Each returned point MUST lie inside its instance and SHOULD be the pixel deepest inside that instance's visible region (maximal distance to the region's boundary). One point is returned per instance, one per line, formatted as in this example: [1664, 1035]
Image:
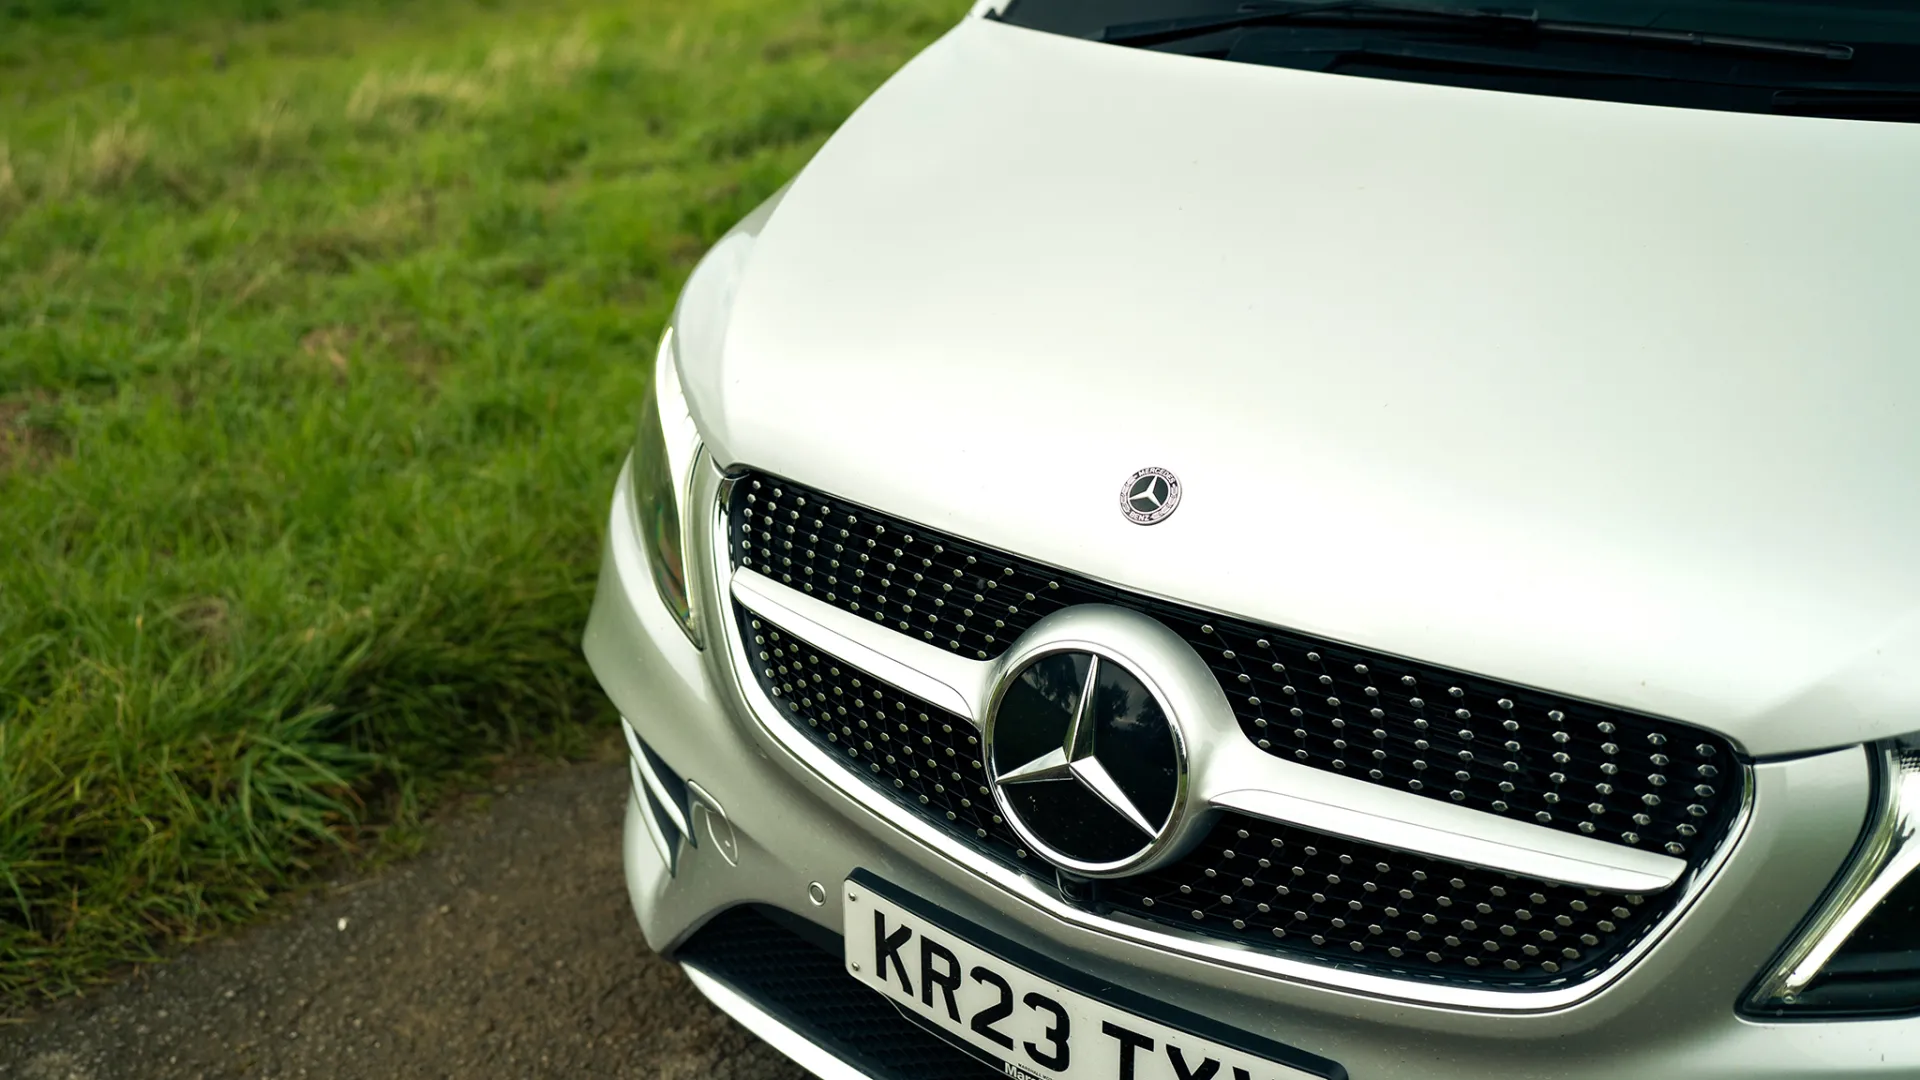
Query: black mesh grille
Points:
[1567, 765]
[1301, 891]
[923, 756]
[800, 981]
[1328, 898]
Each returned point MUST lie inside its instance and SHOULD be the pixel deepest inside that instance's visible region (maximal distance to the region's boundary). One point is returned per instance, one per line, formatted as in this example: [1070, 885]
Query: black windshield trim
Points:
[1527, 21]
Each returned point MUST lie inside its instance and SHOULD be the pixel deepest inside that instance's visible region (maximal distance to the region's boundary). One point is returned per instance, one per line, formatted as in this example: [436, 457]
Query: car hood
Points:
[1617, 401]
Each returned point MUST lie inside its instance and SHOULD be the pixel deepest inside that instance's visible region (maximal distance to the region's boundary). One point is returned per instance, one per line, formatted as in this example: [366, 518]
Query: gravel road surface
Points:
[506, 950]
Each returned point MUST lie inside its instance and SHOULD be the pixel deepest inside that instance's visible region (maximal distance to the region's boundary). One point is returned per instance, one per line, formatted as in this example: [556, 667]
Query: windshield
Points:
[1856, 59]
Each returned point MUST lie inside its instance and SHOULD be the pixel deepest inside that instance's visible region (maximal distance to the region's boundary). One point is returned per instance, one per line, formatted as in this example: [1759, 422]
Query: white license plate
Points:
[1030, 1024]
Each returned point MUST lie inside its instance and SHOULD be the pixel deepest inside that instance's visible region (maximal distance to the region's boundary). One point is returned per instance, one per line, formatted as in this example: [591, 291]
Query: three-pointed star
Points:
[1074, 760]
[1149, 497]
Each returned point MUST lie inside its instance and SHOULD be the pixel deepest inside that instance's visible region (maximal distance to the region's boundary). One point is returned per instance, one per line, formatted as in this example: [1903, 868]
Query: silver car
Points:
[1212, 541]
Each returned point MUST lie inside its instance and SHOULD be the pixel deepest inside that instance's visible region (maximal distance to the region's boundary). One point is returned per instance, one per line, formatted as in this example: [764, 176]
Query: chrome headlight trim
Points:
[665, 450]
[1888, 853]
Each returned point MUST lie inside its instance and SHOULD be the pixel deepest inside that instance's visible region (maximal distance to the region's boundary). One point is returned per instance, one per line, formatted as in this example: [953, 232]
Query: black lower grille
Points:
[782, 969]
[1617, 776]
[1279, 888]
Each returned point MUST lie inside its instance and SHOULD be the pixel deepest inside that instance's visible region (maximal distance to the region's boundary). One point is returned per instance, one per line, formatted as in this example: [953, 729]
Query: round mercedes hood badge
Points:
[1085, 762]
[1149, 495]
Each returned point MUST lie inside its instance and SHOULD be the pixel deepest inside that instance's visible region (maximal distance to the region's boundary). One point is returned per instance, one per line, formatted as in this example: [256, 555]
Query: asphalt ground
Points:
[506, 949]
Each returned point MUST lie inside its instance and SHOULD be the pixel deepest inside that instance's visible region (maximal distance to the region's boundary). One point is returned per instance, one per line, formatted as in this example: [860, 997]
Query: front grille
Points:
[921, 755]
[1330, 898]
[1622, 777]
[764, 958]
[1279, 888]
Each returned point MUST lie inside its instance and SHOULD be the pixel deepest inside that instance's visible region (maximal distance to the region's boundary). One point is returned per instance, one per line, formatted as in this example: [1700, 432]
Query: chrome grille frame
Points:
[714, 490]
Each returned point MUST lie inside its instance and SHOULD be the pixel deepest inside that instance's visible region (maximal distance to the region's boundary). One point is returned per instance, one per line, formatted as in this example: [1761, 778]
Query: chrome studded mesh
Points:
[1295, 890]
[1617, 776]
[1279, 888]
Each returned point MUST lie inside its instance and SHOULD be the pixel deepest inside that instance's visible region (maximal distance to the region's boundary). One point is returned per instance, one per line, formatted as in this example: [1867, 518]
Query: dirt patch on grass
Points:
[548, 63]
[329, 345]
[116, 154]
[337, 349]
[420, 97]
[382, 231]
[414, 98]
[209, 617]
[9, 183]
[28, 438]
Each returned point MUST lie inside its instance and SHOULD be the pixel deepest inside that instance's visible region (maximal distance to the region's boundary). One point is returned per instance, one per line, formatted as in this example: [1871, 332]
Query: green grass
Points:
[321, 330]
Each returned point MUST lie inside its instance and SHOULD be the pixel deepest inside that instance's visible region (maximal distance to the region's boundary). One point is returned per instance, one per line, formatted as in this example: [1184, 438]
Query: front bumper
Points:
[790, 835]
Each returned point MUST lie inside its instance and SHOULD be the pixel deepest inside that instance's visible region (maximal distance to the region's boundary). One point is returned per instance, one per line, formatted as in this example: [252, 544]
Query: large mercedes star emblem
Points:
[1086, 765]
[1149, 495]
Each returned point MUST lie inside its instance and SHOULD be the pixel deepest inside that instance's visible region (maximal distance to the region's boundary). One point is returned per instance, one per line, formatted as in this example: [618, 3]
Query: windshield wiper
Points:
[1386, 15]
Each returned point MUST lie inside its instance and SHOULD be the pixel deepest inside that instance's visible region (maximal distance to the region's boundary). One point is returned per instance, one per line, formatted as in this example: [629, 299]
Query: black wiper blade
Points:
[1265, 12]
[1694, 39]
[1491, 20]
[1322, 49]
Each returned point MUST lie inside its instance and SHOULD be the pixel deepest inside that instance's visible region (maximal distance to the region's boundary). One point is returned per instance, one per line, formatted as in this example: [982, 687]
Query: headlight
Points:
[664, 452]
[1860, 953]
